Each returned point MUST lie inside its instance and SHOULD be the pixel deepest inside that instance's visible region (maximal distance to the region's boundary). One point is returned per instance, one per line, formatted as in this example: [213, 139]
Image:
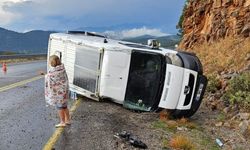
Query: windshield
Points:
[145, 80]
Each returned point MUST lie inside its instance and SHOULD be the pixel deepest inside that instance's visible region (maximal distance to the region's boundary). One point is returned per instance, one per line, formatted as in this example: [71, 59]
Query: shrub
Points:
[213, 83]
[181, 142]
[238, 91]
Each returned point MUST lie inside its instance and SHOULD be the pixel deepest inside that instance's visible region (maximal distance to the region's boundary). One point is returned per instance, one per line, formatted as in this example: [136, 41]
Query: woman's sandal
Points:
[60, 125]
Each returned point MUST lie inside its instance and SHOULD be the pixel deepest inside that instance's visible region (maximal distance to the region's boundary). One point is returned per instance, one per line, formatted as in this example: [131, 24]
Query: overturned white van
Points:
[140, 77]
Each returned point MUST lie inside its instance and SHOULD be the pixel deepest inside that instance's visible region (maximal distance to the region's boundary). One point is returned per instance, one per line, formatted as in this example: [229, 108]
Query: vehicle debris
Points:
[132, 139]
[218, 141]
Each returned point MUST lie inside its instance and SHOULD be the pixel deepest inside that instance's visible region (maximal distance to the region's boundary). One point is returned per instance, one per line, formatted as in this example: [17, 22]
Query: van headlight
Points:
[175, 60]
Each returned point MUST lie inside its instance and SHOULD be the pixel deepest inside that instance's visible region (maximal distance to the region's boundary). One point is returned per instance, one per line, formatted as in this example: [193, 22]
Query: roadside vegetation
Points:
[238, 92]
[226, 105]
[7, 53]
[183, 134]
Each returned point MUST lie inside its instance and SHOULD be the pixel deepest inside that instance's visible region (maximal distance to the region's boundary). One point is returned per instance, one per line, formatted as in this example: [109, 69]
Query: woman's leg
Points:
[61, 115]
[67, 116]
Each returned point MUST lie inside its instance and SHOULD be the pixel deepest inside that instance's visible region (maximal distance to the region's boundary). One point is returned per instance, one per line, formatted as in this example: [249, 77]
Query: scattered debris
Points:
[182, 129]
[244, 116]
[133, 140]
[218, 141]
[244, 126]
[40, 72]
[219, 124]
[226, 109]
[124, 134]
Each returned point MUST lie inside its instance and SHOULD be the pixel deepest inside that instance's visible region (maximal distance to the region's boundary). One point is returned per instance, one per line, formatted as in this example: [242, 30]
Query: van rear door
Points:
[178, 88]
[172, 87]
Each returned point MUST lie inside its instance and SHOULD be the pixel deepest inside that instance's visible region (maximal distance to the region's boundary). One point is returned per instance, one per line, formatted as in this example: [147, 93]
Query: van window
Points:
[86, 67]
[59, 54]
[145, 76]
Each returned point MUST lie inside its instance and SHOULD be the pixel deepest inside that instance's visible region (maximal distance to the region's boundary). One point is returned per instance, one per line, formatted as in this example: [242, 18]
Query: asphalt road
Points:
[25, 121]
[22, 71]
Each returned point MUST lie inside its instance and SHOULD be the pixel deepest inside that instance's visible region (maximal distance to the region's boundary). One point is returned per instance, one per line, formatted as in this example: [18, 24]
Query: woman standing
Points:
[56, 89]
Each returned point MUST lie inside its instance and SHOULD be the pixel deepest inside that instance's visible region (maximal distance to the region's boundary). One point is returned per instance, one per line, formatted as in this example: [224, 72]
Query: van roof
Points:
[98, 41]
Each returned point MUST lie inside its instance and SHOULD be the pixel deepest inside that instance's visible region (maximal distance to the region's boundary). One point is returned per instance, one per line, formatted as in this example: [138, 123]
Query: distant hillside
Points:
[166, 41]
[30, 42]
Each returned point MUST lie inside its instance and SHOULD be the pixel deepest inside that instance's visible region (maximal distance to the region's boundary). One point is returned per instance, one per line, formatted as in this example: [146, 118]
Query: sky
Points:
[149, 16]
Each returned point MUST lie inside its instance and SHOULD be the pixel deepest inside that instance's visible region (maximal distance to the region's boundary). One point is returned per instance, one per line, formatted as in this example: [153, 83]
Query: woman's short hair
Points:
[54, 60]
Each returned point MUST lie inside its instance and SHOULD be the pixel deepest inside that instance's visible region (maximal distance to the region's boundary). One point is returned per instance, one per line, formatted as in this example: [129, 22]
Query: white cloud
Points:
[130, 33]
[142, 31]
[6, 16]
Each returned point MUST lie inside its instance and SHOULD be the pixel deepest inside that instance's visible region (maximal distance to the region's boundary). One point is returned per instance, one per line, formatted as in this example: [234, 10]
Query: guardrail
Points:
[5, 57]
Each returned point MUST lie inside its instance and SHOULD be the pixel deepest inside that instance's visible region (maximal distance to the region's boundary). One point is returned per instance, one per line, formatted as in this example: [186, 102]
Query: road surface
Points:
[22, 71]
[25, 122]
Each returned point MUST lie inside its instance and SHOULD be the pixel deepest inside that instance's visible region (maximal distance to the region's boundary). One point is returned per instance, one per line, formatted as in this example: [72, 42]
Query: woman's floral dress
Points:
[56, 85]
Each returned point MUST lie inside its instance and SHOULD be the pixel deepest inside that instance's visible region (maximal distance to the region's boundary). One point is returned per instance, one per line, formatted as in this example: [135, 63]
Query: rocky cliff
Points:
[210, 20]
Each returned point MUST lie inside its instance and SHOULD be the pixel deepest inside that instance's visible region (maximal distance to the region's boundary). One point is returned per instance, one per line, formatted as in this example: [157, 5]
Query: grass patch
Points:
[203, 141]
[181, 142]
[171, 125]
[164, 126]
[183, 139]
[159, 124]
[221, 117]
[186, 123]
[165, 144]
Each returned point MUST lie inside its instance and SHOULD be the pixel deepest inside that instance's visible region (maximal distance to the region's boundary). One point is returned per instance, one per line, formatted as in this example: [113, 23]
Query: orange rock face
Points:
[210, 20]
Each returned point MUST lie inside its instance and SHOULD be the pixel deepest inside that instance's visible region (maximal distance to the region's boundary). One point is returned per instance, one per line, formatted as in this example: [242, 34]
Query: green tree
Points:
[179, 25]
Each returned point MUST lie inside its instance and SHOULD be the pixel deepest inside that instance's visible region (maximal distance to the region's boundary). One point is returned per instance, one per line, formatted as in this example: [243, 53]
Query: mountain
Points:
[166, 41]
[35, 41]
